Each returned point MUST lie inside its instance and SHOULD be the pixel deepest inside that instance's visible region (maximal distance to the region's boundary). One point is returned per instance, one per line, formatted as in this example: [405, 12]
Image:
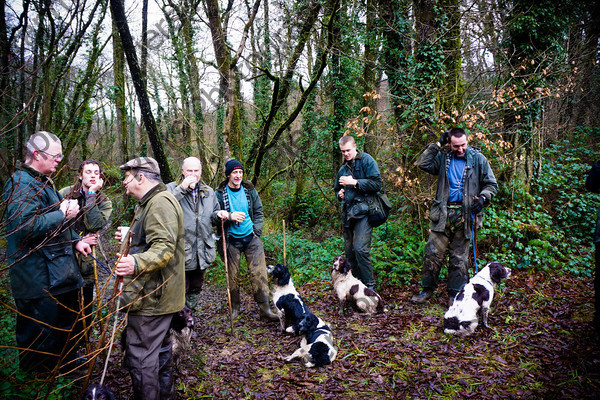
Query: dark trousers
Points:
[597, 289]
[34, 337]
[148, 356]
[452, 239]
[357, 248]
[194, 279]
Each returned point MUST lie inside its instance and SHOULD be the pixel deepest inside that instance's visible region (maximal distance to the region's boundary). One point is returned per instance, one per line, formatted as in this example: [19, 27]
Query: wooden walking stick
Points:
[119, 287]
[284, 242]
[227, 274]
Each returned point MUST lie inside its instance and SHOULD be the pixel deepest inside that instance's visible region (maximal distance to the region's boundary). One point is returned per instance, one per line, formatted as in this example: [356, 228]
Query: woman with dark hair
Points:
[95, 210]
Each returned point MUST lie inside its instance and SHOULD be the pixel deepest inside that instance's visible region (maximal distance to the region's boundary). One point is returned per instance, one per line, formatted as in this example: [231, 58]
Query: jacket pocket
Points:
[63, 271]
[435, 211]
[210, 250]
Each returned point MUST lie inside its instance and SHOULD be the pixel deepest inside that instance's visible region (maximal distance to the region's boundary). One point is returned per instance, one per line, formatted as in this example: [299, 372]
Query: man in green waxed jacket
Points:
[358, 179]
[465, 185]
[44, 275]
[200, 208]
[154, 279]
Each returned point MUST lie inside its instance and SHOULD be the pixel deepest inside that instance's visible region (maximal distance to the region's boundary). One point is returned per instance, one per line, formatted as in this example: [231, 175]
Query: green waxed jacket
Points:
[40, 243]
[95, 210]
[157, 286]
[479, 180]
[199, 218]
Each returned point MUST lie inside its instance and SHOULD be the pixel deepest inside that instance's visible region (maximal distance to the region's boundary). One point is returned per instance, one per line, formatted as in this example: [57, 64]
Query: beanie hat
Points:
[231, 165]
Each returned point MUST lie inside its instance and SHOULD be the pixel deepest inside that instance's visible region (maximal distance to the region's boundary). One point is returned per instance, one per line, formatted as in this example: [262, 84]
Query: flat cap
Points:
[147, 164]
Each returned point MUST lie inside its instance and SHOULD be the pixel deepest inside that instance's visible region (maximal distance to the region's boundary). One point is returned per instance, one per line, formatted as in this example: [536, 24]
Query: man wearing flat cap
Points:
[154, 279]
[243, 215]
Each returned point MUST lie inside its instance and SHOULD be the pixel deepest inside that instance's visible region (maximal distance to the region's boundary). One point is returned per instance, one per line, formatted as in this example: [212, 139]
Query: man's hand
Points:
[83, 248]
[347, 180]
[444, 139]
[70, 208]
[477, 204]
[97, 186]
[125, 266]
[341, 194]
[91, 239]
[238, 216]
[189, 182]
[222, 214]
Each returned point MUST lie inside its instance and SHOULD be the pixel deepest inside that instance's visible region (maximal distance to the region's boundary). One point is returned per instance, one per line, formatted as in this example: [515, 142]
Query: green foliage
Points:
[551, 226]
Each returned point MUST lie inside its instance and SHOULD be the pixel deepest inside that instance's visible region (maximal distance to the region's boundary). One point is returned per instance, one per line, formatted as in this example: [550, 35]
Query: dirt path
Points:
[540, 346]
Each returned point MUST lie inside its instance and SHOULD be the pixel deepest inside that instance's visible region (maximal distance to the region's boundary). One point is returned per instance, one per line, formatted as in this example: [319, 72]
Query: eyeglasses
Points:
[57, 156]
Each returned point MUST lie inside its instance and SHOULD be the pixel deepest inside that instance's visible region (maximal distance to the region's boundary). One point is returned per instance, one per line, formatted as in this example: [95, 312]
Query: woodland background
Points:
[276, 83]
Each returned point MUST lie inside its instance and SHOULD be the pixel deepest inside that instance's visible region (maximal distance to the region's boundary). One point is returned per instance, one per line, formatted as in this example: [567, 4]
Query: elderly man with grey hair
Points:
[44, 275]
[200, 212]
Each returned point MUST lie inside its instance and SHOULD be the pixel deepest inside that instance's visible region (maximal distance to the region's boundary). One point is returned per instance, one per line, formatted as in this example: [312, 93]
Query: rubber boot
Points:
[235, 303]
[264, 309]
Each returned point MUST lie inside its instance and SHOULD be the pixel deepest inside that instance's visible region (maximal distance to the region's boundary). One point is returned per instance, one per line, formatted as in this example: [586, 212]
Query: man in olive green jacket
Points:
[154, 279]
[465, 185]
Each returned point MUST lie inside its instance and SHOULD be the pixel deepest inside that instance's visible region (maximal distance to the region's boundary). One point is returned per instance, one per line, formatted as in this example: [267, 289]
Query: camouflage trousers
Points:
[454, 241]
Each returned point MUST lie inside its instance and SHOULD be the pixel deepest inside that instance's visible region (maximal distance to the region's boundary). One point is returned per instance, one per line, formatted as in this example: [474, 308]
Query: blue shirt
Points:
[239, 202]
[455, 178]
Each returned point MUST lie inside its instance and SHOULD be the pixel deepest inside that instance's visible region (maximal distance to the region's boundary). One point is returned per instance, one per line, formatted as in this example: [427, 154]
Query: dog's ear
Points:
[347, 266]
[497, 272]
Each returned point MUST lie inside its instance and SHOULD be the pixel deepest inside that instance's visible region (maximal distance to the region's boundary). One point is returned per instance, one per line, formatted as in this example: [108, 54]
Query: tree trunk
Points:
[146, 111]
[119, 92]
[451, 95]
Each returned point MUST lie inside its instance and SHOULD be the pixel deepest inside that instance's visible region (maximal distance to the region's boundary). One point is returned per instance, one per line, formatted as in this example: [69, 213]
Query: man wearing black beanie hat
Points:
[243, 227]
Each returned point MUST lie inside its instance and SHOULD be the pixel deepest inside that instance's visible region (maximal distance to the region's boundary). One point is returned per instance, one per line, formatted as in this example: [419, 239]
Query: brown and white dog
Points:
[473, 300]
[182, 326]
[351, 291]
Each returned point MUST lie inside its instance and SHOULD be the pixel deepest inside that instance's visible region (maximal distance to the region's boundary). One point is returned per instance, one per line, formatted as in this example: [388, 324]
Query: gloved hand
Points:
[477, 204]
[445, 138]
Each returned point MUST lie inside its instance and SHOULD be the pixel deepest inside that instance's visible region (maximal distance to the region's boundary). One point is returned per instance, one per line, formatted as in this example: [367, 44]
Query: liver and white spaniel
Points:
[352, 292]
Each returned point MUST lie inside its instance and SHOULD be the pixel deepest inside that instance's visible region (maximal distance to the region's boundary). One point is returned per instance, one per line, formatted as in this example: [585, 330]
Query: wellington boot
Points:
[266, 313]
[235, 304]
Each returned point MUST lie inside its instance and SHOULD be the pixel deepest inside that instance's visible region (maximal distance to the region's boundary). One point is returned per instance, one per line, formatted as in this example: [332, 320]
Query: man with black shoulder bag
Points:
[358, 182]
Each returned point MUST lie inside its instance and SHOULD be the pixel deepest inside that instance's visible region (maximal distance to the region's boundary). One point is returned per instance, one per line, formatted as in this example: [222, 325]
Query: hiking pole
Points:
[118, 294]
[284, 242]
[227, 275]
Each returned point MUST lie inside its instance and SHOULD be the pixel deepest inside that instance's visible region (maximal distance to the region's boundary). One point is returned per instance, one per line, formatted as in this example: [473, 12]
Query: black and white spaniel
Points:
[287, 300]
[316, 348]
[473, 300]
[351, 291]
[97, 392]
[182, 326]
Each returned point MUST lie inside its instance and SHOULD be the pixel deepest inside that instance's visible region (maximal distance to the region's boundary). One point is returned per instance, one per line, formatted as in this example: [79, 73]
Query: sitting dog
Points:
[182, 325]
[289, 304]
[474, 299]
[97, 392]
[316, 348]
[351, 291]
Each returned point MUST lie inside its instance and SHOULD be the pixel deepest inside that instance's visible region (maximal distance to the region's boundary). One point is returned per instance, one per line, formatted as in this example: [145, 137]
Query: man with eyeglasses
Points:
[44, 274]
[357, 179]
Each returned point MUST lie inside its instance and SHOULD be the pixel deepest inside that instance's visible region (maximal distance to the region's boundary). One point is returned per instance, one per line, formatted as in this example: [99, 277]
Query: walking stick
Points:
[227, 275]
[284, 242]
[118, 282]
